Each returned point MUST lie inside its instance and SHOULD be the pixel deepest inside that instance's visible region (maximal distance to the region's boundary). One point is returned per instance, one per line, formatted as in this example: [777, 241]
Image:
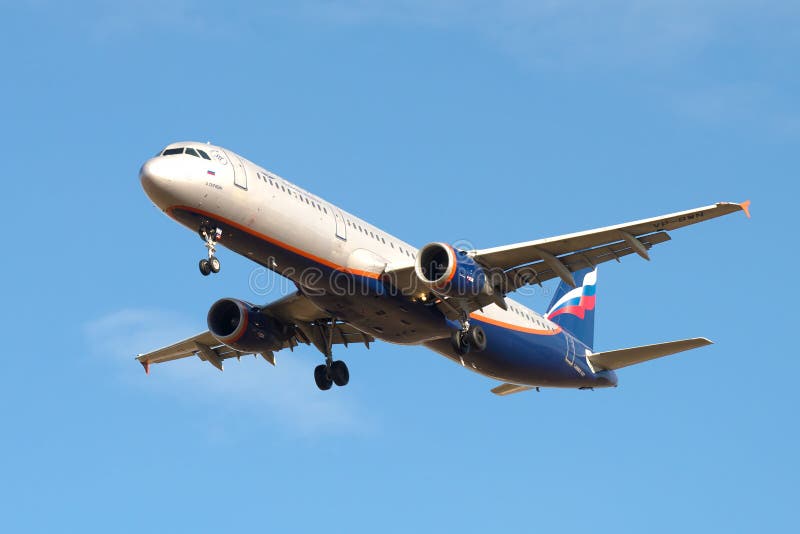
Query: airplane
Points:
[357, 284]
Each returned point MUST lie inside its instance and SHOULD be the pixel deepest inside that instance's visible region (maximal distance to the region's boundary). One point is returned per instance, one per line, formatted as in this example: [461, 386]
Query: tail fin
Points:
[573, 308]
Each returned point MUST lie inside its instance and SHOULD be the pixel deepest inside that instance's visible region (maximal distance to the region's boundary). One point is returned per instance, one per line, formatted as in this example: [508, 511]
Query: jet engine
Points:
[449, 272]
[244, 327]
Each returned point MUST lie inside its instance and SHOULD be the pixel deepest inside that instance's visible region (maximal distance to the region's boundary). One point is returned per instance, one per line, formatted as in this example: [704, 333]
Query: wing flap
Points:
[318, 334]
[617, 359]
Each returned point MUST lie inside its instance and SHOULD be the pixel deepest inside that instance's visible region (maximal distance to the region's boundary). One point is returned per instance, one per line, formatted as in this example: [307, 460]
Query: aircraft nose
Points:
[152, 173]
[157, 181]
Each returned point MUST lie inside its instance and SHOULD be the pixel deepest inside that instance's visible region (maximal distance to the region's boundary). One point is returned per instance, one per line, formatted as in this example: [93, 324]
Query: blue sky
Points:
[492, 122]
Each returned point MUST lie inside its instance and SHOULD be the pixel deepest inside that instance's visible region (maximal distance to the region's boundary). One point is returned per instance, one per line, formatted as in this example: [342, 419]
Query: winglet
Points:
[746, 208]
[146, 365]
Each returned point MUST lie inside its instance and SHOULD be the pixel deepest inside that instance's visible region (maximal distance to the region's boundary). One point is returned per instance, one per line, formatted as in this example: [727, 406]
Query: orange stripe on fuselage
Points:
[337, 267]
[274, 241]
[518, 328]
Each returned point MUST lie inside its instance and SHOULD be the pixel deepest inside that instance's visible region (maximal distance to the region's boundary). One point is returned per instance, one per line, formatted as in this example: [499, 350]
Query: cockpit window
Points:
[172, 151]
[203, 154]
[192, 152]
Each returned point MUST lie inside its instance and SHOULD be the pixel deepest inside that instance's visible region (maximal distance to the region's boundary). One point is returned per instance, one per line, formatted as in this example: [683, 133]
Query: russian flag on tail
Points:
[573, 308]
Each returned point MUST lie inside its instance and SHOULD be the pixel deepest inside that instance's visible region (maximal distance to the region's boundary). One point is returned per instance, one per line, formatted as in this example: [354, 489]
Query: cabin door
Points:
[341, 226]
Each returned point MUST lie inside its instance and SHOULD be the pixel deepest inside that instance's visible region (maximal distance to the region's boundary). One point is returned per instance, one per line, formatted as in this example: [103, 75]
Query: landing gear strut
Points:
[211, 235]
[468, 338]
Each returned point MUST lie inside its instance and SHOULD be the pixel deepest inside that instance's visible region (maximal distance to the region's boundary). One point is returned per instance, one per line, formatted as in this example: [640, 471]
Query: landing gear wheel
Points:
[210, 235]
[340, 373]
[460, 342]
[477, 338]
[324, 382]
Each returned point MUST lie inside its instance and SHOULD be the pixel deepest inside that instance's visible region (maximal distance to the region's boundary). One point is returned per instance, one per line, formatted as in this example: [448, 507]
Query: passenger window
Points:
[203, 154]
[192, 152]
[172, 151]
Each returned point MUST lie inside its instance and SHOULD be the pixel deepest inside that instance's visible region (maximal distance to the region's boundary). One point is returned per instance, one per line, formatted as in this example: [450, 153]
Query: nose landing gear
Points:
[211, 265]
[211, 236]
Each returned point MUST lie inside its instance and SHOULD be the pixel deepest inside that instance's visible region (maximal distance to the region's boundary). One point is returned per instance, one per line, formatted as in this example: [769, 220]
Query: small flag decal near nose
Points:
[212, 173]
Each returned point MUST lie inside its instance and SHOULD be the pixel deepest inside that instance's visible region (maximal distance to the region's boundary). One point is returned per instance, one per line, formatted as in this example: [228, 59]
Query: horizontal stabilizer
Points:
[508, 389]
[616, 359]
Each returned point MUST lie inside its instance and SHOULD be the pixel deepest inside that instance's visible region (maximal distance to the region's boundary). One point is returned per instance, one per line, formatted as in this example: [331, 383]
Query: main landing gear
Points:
[332, 371]
[329, 373]
[211, 236]
[468, 338]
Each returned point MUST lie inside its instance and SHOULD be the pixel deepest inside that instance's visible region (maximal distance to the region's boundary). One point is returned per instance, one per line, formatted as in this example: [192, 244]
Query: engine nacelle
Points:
[242, 326]
[449, 272]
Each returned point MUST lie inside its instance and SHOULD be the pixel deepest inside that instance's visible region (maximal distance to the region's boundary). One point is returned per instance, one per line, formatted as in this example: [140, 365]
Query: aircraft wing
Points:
[510, 267]
[536, 261]
[310, 325]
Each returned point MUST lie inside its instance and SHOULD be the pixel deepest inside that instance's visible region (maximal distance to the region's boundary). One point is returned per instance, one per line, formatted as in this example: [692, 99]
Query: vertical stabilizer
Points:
[573, 308]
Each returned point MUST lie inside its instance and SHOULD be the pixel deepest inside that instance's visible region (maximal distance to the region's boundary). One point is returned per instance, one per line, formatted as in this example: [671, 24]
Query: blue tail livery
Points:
[573, 308]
